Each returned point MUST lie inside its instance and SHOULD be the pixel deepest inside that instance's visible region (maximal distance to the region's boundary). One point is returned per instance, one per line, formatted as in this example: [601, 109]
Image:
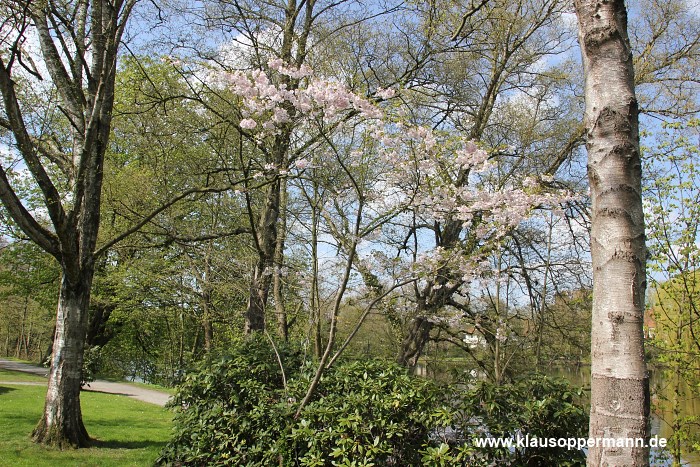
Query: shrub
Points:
[237, 410]
[537, 406]
[367, 413]
[232, 410]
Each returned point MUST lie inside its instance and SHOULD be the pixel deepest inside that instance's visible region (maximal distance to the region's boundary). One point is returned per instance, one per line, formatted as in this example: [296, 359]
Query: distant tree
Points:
[468, 89]
[672, 197]
[28, 285]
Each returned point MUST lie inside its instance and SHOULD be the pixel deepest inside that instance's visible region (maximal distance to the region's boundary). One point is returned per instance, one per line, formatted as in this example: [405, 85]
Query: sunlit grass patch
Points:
[126, 432]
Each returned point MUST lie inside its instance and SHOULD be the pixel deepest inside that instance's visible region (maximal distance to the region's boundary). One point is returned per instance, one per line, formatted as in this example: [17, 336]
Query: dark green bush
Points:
[537, 406]
[236, 410]
[368, 413]
[232, 410]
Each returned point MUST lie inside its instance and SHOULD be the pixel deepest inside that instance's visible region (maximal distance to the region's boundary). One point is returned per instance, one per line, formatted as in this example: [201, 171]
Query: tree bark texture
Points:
[619, 379]
[278, 286]
[61, 424]
[413, 343]
[263, 272]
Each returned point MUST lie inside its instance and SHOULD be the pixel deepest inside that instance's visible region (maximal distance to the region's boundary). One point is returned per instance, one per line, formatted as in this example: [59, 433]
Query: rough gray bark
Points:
[277, 286]
[266, 243]
[62, 424]
[417, 336]
[619, 380]
[78, 42]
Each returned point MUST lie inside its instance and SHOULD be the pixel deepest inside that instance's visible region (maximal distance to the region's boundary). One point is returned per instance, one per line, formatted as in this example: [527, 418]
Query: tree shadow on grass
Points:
[122, 444]
[5, 389]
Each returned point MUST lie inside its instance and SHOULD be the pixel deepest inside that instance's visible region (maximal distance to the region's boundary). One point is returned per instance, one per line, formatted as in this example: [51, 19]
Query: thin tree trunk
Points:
[282, 323]
[315, 301]
[543, 300]
[208, 330]
[619, 378]
[28, 341]
[62, 424]
[207, 306]
[262, 275]
[20, 340]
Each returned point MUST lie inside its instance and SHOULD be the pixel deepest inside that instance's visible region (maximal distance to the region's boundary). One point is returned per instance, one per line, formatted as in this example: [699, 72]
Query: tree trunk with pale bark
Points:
[61, 424]
[78, 43]
[619, 379]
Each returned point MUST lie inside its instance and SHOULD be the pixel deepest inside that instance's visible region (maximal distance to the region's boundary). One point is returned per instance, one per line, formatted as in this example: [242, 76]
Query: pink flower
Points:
[280, 116]
[276, 64]
[248, 124]
[385, 93]
[301, 164]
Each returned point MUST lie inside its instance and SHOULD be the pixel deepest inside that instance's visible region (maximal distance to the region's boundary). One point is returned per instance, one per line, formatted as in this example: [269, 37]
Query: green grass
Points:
[126, 432]
[9, 375]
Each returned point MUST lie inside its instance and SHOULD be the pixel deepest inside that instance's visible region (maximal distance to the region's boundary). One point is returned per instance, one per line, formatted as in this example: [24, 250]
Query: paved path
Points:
[135, 392]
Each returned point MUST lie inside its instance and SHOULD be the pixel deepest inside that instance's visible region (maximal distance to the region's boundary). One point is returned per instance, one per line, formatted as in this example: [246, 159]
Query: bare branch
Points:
[38, 234]
[26, 147]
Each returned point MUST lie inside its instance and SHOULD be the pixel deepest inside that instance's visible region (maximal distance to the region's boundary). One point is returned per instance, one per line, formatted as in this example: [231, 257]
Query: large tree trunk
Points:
[62, 424]
[619, 379]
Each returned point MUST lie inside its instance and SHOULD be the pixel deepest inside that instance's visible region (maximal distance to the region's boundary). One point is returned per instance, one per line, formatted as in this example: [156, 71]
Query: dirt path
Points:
[135, 392]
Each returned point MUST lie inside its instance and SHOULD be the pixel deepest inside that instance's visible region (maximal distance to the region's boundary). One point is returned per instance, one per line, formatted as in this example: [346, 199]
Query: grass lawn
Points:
[126, 432]
[9, 375]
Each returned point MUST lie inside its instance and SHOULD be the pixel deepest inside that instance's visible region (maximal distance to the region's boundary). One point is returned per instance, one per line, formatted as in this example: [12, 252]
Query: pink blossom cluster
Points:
[279, 66]
[467, 265]
[267, 104]
[431, 165]
[443, 177]
[385, 93]
[436, 175]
